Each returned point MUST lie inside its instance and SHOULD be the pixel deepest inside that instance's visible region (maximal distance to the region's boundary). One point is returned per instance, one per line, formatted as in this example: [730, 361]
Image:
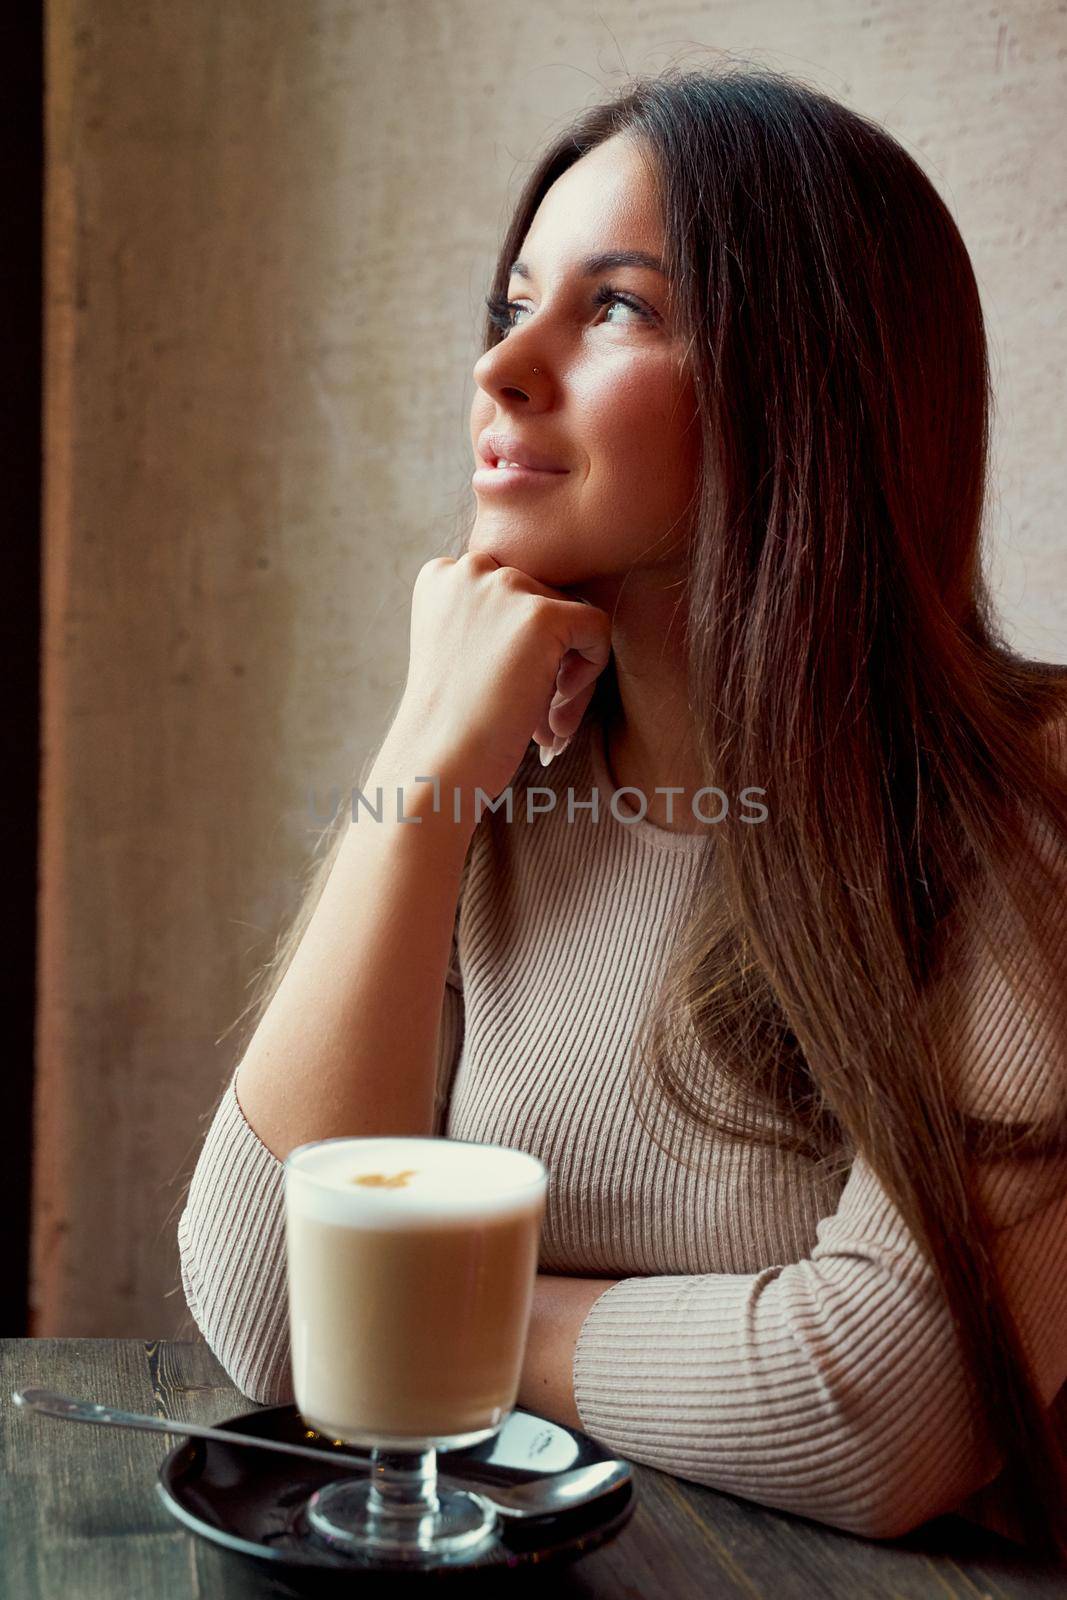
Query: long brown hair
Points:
[843, 646]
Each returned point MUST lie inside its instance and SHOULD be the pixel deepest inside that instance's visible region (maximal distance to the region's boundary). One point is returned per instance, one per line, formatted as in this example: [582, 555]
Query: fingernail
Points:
[549, 753]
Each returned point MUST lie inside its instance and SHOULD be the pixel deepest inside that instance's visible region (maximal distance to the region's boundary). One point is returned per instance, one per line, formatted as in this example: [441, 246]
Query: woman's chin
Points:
[545, 554]
[514, 550]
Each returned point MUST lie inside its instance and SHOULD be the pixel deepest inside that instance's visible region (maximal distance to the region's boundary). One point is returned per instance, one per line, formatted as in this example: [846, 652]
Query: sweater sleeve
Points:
[832, 1387]
[231, 1234]
[829, 1387]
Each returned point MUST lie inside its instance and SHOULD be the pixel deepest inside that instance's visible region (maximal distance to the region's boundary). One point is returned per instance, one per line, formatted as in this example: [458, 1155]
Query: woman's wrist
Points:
[413, 785]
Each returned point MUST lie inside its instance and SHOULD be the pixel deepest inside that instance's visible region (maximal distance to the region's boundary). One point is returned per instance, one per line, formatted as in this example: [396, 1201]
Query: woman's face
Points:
[611, 400]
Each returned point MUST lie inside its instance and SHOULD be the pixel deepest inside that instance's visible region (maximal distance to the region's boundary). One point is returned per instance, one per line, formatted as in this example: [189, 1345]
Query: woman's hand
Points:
[496, 658]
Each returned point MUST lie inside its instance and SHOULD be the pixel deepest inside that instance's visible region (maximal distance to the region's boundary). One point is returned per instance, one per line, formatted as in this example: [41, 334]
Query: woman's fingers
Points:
[565, 718]
[574, 673]
[580, 666]
[584, 634]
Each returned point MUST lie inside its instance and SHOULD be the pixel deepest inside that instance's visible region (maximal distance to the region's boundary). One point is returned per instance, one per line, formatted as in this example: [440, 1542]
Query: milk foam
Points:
[428, 1181]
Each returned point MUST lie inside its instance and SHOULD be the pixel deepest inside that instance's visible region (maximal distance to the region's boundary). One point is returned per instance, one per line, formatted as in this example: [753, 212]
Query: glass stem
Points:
[403, 1483]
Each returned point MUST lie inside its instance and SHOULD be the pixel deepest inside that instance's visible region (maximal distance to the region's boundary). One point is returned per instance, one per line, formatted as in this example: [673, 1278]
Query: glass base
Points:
[343, 1515]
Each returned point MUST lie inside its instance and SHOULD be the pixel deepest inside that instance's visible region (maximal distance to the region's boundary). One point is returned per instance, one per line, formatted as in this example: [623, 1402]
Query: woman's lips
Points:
[492, 479]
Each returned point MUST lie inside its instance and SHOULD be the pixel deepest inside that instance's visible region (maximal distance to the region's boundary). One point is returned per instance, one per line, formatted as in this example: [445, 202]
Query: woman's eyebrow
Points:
[604, 261]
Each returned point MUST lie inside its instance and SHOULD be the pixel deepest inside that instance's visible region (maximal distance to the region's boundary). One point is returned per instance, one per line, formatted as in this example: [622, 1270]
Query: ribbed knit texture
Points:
[776, 1332]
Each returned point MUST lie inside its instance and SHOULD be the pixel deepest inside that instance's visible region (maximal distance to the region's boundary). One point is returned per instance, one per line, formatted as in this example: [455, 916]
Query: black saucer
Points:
[252, 1501]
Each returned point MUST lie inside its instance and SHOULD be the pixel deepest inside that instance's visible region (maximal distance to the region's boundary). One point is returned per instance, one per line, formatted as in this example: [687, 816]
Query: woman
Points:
[798, 1075]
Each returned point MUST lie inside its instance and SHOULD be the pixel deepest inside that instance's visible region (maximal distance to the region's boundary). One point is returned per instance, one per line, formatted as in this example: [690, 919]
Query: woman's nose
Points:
[509, 374]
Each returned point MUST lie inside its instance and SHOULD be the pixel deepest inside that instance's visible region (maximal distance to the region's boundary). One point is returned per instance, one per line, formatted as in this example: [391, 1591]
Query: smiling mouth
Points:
[485, 477]
[502, 464]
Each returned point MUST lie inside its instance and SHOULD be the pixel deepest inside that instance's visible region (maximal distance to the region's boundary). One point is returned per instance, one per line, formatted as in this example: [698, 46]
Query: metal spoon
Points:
[540, 1497]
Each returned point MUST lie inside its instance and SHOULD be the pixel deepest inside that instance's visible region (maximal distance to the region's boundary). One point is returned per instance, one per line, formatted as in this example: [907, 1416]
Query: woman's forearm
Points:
[560, 1306]
[347, 1045]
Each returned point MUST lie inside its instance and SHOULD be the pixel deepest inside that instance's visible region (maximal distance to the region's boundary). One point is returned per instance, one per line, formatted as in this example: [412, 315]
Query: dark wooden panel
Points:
[21, 337]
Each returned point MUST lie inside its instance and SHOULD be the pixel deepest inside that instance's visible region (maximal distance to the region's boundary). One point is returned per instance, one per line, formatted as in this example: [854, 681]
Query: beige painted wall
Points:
[269, 228]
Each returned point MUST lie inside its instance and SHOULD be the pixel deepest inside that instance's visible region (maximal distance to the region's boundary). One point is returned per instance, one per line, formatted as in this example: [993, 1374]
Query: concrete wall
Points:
[268, 233]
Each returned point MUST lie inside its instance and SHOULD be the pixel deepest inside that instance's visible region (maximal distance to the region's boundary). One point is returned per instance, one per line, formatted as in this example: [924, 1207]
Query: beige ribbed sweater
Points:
[773, 1335]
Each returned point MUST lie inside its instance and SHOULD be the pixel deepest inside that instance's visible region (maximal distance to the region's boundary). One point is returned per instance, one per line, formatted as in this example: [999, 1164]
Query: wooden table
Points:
[81, 1519]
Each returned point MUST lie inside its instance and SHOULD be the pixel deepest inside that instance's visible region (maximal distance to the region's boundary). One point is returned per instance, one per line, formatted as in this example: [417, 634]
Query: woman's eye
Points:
[627, 305]
[501, 310]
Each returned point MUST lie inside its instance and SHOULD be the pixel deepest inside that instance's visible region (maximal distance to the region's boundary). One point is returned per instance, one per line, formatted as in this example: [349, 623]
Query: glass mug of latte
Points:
[411, 1272]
